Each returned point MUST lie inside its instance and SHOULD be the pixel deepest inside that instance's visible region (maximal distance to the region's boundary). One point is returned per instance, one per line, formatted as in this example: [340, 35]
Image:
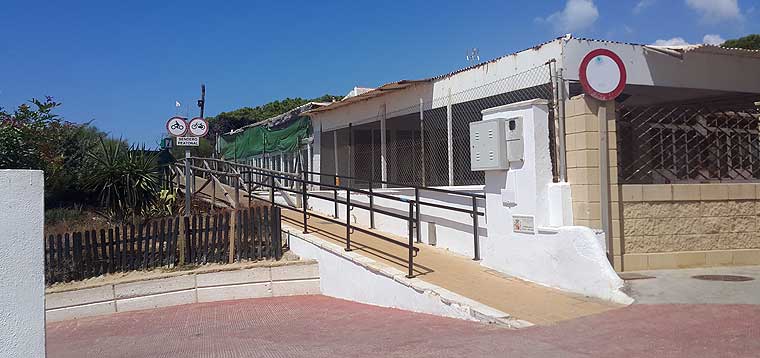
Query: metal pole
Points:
[383, 149]
[561, 126]
[417, 214]
[422, 143]
[450, 139]
[271, 188]
[348, 219]
[371, 206]
[604, 178]
[188, 186]
[350, 153]
[335, 201]
[410, 263]
[475, 236]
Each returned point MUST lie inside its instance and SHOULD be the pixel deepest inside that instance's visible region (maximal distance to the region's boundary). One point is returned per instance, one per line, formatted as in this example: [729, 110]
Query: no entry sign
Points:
[602, 74]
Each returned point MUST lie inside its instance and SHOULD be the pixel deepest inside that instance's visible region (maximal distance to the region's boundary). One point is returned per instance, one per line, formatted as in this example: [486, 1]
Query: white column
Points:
[450, 139]
[22, 277]
[383, 149]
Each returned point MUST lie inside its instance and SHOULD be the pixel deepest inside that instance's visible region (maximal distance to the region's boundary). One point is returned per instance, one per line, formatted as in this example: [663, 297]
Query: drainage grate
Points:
[727, 278]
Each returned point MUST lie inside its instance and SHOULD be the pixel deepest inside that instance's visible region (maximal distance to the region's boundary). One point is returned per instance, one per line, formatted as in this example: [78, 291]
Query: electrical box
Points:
[515, 142]
[488, 145]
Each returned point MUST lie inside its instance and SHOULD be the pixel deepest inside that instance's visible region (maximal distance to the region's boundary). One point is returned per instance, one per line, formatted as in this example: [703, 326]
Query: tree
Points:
[227, 121]
[125, 179]
[749, 42]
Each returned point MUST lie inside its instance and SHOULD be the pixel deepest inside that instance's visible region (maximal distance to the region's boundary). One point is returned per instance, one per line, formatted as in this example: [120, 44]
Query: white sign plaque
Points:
[523, 224]
[188, 141]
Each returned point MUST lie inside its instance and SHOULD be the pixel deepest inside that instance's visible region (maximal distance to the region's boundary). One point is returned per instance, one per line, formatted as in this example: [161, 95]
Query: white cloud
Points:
[676, 41]
[712, 39]
[577, 15]
[642, 5]
[714, 11]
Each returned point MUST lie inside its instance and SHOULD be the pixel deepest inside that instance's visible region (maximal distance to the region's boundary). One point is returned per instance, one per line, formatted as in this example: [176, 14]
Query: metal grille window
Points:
[706, 142]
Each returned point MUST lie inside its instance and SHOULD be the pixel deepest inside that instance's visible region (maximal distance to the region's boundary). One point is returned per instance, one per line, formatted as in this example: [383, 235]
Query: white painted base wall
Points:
[353, 277]
[300, 278]
[22, 271]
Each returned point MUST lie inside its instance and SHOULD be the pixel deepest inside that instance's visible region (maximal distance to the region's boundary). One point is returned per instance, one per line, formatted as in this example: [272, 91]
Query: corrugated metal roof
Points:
[679, 51]
[672, 50]
[388, 87]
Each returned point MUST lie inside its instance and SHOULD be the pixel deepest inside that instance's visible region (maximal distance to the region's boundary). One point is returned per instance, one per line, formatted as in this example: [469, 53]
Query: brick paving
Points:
[318, 326]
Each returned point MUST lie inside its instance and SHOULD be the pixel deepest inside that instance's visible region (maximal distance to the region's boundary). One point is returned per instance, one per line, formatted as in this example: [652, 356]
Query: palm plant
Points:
[125, 178]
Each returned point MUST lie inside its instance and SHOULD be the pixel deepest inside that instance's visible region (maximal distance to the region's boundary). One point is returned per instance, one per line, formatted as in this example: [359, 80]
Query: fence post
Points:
[183, 239]
[277, 238]
[335, 201]
[410, 222]
[417, 214]
[475, 238]
[348, 219]
[237, 191]
[304, 203]
[233, 234]
[271, 188]
[371, 206]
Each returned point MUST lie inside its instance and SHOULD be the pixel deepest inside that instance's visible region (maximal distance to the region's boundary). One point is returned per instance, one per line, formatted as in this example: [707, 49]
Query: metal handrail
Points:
[267, 177]
[401, 185]
[271, 184]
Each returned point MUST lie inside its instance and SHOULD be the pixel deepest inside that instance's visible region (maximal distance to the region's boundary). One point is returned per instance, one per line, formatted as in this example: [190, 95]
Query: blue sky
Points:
[124, 64]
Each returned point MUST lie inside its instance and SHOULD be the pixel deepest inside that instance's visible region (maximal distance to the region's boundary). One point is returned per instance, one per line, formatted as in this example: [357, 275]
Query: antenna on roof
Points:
[473, 56]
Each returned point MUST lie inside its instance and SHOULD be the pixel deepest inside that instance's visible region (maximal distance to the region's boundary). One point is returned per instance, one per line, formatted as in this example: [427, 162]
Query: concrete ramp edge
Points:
[354, 277]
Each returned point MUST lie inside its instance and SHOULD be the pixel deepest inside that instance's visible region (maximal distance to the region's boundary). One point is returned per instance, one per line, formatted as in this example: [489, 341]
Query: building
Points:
[683, 160]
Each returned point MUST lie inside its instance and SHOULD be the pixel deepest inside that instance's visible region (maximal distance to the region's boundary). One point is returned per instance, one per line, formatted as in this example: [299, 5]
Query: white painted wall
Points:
[22, 280]
[647, 67]
[569, 258]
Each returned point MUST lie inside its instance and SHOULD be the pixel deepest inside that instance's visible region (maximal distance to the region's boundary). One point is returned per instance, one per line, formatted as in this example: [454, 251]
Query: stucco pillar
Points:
[22, 270]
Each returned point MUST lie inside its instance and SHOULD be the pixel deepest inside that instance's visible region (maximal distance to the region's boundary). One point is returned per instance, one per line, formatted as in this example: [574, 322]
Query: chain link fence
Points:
[418, 137]
[710, 141]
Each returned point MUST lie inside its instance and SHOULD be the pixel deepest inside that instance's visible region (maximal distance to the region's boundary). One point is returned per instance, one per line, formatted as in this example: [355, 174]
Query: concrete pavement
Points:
[318, 326]
[679, 286]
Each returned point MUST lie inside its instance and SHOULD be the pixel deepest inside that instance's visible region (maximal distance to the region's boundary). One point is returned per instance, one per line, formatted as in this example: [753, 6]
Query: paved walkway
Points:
[521, 299]
[679, 286]
[318, 326]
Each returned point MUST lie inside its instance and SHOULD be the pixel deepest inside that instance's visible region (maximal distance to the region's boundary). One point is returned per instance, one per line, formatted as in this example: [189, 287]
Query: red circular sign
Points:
[602, 74]
[198, 127]
[176, 126]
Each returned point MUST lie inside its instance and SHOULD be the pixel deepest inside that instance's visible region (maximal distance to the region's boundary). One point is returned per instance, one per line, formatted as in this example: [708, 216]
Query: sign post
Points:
[602, 75]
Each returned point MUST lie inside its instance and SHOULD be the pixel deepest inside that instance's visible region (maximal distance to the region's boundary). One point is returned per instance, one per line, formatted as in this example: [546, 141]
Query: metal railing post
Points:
[475, 237]
[271, 188]
[304, 203]
[237, 193]
[417, 214]
[371, 207]
[335, 201]
[411, 240]
[348, 219]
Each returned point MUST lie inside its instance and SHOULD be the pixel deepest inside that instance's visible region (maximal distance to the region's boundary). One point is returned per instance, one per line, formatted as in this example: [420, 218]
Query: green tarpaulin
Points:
[261, 139]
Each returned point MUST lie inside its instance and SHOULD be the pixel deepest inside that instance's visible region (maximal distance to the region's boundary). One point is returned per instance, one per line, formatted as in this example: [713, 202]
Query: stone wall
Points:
[690, 225]
[658, 226]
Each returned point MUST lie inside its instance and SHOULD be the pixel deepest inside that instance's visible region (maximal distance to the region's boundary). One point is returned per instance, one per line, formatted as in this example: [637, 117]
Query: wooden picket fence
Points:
[206, 238]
